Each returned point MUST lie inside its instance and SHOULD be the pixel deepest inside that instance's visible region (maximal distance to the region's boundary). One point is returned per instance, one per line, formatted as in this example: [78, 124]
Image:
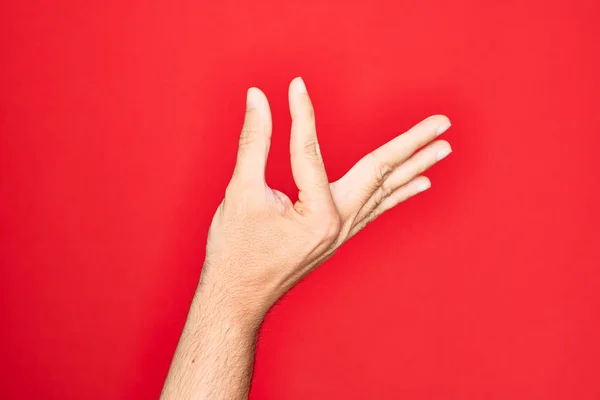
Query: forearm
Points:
[215, 354]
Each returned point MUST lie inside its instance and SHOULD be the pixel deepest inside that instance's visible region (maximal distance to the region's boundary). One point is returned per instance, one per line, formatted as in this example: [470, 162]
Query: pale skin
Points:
[260, 244]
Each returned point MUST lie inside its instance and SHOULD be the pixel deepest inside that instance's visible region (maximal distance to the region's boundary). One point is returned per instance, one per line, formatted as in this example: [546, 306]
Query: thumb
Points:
[255, 139]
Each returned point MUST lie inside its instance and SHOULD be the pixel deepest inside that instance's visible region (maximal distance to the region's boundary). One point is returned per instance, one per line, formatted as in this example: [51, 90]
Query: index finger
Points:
[307, 164]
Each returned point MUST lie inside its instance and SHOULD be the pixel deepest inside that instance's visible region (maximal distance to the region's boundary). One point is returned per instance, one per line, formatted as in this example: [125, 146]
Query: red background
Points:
[119, 127]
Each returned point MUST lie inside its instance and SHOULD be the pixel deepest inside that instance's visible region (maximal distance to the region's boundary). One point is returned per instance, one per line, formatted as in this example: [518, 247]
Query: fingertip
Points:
[300, 85]
[443, 153]
[254, 98]
[443, 123]
[299, 100]
[422, 183]
[440, 123]
[439, 117]
[297, 84]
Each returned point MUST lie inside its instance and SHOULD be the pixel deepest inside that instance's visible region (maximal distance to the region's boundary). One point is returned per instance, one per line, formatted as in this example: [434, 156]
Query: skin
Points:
[260, 244]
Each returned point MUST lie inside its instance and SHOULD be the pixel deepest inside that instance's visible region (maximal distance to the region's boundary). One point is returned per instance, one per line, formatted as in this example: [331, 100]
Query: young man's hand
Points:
[260, 243]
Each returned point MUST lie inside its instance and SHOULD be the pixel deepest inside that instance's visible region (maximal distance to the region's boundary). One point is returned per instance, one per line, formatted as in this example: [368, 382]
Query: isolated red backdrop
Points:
[118, 131]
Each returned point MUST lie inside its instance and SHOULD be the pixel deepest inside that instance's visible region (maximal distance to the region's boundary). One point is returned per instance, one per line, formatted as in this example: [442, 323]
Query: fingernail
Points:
[442, 128]
[443, 153]
[300, 84]
[252, 99]
[423, 186]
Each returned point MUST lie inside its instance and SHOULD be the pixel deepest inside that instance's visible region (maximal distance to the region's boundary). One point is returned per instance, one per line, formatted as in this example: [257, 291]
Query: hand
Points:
[260, 244]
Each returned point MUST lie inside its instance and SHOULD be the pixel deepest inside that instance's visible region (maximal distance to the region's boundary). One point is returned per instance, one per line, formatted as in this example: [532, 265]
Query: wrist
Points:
[230, 305]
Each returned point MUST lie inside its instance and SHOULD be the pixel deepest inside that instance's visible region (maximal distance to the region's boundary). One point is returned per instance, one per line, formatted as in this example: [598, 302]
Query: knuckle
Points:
[381, 169]
[386, 190]
[382, 193]
[248, 136]
[311, 149]
[330, 226]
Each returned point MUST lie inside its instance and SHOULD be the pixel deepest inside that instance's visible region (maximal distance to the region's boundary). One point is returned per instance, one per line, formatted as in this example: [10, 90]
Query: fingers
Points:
[404, 173]
[372, 170]
[255, 139]
[401, 194]
[307, 164]
[417, 164]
